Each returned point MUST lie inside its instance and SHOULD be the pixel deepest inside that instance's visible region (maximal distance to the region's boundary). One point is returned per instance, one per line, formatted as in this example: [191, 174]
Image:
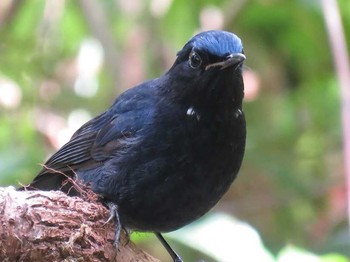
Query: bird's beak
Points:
[231, 60]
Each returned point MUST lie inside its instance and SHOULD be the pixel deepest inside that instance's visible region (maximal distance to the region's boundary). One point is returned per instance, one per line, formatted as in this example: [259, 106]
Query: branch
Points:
[51, 226]
[336, 35]
[97, 21]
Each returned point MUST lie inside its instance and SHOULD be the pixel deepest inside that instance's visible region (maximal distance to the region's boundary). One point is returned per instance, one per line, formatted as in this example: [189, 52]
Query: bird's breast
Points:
[195, 160]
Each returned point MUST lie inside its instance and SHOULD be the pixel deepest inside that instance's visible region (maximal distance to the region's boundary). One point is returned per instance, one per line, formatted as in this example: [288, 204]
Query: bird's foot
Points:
[172, 253]
[113, 209]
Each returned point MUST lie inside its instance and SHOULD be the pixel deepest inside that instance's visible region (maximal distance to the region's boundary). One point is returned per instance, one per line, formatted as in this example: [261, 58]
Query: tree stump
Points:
[51, 226]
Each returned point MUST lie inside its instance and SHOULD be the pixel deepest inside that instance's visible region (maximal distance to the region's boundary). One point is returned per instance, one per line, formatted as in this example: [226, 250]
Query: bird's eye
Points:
[194, 60]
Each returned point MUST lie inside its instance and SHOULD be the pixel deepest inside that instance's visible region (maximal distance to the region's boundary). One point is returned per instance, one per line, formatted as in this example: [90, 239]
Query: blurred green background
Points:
[63, 62]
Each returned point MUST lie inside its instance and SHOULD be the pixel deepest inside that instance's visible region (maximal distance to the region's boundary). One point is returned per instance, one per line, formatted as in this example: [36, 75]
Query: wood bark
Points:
[51, 226]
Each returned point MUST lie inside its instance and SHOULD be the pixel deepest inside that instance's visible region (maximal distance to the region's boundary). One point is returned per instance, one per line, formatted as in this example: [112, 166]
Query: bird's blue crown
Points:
[218, 43]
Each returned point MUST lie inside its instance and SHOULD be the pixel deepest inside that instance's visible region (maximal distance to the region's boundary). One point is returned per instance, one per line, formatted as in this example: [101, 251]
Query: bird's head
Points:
[210, 61]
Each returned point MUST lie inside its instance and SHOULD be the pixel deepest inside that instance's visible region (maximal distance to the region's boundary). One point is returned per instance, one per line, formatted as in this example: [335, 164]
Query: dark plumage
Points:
[168, 149]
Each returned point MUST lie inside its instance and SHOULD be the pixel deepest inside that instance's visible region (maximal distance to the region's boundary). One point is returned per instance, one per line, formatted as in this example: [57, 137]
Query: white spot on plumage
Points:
[238, 113]
[191, 112]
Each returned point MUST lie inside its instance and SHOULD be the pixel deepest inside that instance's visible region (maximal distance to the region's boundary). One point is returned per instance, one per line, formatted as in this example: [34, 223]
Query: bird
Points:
[165, 152]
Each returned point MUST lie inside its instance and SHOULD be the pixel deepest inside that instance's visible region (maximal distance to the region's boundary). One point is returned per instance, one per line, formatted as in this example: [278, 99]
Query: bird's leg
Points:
[172, 253]
[113, 209]
[127, 233]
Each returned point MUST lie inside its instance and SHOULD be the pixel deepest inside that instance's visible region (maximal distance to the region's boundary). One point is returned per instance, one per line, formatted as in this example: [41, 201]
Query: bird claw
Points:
[113, 209]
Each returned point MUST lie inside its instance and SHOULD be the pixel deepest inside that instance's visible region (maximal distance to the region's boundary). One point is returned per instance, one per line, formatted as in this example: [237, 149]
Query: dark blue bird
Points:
[167, 150]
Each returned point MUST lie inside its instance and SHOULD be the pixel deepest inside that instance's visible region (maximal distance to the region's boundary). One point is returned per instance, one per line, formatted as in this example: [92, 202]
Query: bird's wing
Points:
[102, 137]
[78, 149]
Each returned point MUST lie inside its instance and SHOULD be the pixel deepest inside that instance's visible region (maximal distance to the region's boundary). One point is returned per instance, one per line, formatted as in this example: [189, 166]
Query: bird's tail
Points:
[49, 179]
